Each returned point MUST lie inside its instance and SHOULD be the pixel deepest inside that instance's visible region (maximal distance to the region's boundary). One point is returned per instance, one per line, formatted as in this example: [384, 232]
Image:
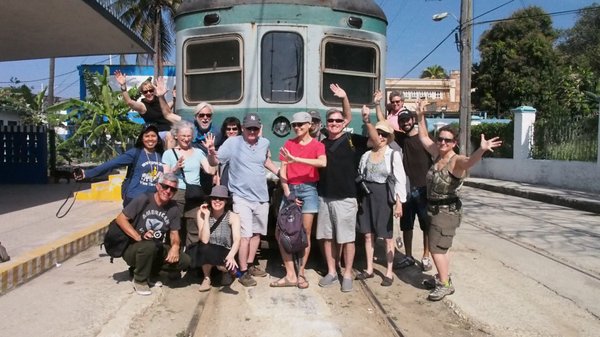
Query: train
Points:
[278, 57]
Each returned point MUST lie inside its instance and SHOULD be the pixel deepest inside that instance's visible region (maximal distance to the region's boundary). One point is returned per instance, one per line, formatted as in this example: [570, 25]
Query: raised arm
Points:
[428, 144]
[371, 131]
[377, 100]
[161, 90]
[465, 163]
[341, 93]
[122, 80]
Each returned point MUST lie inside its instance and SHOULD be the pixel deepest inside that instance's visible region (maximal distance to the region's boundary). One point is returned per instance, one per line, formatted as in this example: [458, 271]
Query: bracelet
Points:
[123, 87]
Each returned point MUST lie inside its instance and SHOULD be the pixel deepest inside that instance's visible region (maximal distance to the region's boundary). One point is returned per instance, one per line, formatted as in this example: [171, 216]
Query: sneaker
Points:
[227, 279]
[346, 285]
[205, 285]
[398, 243]
[441, 291]
[432, 283]
[256, 271]
[142, 288]
[247, 280]
[155, 284]
[328, 280]
[406, 262]
[426, 264]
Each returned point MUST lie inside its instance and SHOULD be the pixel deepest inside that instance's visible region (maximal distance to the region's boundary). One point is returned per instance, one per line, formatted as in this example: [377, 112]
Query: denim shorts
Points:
[306, 192]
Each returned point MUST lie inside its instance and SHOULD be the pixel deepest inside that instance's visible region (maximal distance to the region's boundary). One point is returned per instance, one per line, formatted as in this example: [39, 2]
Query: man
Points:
[148, 219]
[203, 122]
[416, 162]
[396, 105]
[248, 156]
[338, 205]
[316, 127]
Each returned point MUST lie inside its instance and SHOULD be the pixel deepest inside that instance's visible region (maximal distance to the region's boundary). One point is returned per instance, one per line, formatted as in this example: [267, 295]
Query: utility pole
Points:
[50, 93]
[466, 38]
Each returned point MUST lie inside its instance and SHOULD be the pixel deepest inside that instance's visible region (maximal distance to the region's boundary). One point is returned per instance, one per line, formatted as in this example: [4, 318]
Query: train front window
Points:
[352, 65]
[213, 70]
[282, 67]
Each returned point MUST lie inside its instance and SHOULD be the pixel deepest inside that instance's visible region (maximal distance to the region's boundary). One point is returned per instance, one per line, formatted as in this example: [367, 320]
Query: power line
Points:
[47, 78]
[431, 52]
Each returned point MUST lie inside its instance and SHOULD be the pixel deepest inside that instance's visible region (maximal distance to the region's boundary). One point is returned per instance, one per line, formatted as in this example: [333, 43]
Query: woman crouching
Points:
[219, 237]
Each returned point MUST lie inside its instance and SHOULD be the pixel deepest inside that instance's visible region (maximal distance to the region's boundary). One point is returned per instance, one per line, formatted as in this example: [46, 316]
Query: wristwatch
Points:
[123, 87]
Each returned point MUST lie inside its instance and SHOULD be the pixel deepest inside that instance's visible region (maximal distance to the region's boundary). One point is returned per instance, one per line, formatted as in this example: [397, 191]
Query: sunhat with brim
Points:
[219, 191]
[301, 117]
[387, 128]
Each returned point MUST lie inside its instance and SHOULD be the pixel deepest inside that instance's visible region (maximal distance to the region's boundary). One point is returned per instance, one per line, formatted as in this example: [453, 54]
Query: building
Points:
[444, 94]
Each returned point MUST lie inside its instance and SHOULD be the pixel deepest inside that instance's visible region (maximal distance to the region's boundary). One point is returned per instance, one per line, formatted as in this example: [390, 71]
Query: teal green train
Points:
[278, 57]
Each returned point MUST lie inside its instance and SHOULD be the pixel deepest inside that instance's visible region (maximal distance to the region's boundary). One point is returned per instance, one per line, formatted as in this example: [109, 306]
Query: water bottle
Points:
[235, 272]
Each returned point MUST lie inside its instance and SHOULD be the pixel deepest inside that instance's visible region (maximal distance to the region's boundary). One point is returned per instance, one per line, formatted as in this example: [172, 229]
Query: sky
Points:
[412, 34]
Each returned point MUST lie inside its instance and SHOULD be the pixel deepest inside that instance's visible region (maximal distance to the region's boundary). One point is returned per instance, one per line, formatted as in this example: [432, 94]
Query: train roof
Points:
[365, 7]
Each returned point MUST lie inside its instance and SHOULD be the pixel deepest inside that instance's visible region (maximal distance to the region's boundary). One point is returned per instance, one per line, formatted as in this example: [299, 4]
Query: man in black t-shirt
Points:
[337, 191]
[147, 220]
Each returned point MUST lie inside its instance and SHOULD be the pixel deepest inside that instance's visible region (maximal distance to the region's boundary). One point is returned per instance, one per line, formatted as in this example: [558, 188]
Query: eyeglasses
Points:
[167, 187]
[148, 91]
[297, 125]
[252, 129]
[232, 128]
[445, 140]
[383, 134]
[204, 115]
[333, 120]
[397, 102]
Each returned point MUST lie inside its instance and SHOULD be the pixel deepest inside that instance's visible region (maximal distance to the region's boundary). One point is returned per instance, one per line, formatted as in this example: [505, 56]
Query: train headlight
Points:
[211, 19]
[281, 127]
[355, 22]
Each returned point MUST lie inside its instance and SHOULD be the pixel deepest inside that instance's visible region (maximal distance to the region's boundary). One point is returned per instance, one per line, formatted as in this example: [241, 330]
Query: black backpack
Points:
[292, 236]
[115, 240]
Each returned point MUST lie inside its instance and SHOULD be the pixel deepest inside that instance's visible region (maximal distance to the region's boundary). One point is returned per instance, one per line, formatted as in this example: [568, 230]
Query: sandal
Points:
[280, 284]
[364, 275]
[302, 282]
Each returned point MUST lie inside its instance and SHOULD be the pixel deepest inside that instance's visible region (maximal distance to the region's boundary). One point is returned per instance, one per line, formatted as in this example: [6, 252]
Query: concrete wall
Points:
[582, 176]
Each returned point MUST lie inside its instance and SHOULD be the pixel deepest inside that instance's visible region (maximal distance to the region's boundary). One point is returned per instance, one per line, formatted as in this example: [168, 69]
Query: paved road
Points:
[521, 268]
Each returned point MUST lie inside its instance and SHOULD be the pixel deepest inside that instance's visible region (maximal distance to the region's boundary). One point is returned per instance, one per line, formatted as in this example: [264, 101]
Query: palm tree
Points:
[153, 20]
[434, 71]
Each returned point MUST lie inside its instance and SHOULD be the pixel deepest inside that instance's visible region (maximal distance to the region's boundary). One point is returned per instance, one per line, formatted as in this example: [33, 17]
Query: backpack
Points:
[292, 236]
[115, 240]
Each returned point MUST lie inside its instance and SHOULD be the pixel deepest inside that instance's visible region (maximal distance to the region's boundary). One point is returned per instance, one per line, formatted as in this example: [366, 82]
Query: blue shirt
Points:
[192, 167]
[247, 175]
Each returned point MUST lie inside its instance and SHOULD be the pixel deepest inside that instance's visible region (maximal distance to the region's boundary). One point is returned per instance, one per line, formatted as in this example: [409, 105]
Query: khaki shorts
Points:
[442, 229]
[337, 219]
[254, 216]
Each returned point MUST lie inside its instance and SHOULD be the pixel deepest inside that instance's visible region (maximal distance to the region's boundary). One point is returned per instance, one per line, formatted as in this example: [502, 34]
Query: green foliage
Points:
[503, 130]
[434, 71]
[29, 106]
[581, 44]
[101, 124]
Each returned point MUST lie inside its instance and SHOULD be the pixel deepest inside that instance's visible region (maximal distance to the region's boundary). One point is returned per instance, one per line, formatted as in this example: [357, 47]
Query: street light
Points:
[465, 34]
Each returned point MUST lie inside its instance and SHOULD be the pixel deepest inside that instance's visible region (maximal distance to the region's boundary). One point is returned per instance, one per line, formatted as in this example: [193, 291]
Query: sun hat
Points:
[301, 117]
[387, 128]
[219, 191]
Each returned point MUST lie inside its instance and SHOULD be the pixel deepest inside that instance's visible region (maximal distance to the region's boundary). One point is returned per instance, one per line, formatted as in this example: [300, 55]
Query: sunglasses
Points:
[218, 199]
[232, 128]
[445, 140]
[396, 102]
[167, 187]
[333, 120]
[383, 134]
[148, 91]
[204, 115]
[252, 129]
[297, 125]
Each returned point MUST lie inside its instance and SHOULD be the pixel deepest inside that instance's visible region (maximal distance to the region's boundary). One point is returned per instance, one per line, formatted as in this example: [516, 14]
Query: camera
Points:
[78, 173]
[360, 181]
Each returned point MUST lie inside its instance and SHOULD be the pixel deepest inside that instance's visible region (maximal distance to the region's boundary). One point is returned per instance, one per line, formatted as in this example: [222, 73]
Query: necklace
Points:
[153, 165]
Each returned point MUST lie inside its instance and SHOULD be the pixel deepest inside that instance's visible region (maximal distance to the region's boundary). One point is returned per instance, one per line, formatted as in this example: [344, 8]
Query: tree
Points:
[154, 21]
[518, 63]
[20, 99]
[581, 44]
[100, 121]
[434, 71]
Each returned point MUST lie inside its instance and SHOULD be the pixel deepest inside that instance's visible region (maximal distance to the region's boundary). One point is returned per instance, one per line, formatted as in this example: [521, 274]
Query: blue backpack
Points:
[292, 236]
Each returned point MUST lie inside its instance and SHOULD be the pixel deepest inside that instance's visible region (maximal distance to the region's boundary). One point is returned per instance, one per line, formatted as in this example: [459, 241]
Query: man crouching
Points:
[147, 219]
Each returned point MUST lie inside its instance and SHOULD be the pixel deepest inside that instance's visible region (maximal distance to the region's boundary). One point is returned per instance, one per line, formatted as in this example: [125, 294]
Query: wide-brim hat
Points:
[386, 127]
[219, 191]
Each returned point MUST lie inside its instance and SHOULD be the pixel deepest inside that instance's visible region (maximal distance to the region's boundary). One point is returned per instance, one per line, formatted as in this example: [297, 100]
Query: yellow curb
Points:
[37, 261]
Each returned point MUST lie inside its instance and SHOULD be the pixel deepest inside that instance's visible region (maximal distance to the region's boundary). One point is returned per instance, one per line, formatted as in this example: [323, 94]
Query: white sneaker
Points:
[142, 288]
[426, 264]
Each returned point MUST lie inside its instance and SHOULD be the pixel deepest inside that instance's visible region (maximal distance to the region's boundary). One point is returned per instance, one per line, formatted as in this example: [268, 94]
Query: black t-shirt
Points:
[147, 215]
[416, 160]
[154, 115]
[336, 180]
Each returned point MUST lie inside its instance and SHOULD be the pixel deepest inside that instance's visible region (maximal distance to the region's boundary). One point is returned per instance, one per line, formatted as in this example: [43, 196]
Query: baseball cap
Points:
[251, 120]
[404, 114]
[314, 114]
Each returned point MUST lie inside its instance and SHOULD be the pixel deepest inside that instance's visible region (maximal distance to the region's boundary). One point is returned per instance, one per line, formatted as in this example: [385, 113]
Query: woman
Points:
[231, 127]
[300, 158]
[375, 216]
[144, 165]
[186, 162]
[444, 178]
[153, 107]
[219, 239]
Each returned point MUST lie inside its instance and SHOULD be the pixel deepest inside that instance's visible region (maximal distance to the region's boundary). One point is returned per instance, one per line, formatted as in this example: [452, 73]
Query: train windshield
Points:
[282, 70]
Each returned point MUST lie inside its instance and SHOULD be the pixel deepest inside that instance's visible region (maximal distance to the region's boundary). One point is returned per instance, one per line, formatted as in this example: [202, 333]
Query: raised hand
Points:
[337, 90]
[377, 96]
[287, 155]
[161, 87]
[120, 77]
[366, 113]
[490, 144]
[209, 143]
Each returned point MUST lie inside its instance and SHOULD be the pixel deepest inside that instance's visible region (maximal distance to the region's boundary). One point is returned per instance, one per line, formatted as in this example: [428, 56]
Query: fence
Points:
[23, 155]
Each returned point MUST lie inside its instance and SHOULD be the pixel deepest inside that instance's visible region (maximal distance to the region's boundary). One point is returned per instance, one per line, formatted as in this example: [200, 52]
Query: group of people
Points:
[348, 182]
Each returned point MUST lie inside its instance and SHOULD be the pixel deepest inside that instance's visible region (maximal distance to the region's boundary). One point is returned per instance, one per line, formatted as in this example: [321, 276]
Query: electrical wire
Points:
[431, 52]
